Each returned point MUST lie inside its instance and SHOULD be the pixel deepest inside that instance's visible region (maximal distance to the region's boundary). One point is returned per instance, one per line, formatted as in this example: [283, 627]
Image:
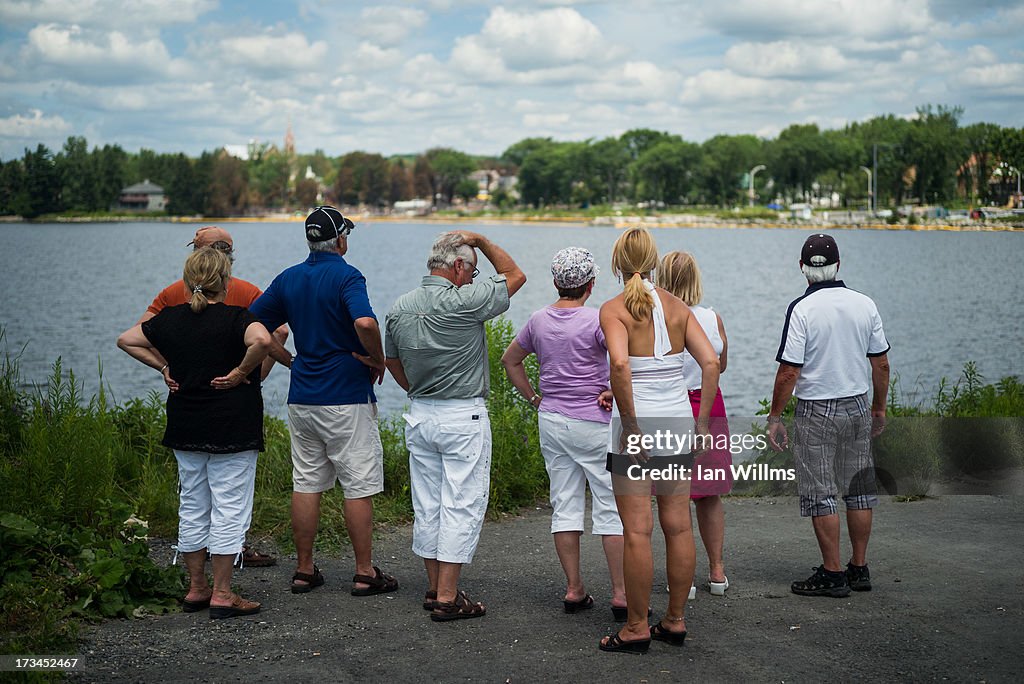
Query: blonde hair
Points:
[634, 255]
[206, 275]
[679, 274]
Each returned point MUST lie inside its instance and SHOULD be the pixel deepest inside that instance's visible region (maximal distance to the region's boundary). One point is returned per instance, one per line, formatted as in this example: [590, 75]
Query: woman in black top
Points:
[214, 422]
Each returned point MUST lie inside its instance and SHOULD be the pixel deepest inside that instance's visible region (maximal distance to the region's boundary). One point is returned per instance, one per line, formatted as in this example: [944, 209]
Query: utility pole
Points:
[871, 192]
[753, 172]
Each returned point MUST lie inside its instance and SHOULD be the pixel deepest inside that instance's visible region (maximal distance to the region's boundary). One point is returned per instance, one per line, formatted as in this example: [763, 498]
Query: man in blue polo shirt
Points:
[833, 351]
[332, 410]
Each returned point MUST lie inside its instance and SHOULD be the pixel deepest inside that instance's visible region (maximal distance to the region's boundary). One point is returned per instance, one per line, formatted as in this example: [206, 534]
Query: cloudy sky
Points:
[188, 75]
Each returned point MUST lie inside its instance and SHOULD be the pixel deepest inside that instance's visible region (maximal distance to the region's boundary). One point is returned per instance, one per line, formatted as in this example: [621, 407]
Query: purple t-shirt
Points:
[573, 360]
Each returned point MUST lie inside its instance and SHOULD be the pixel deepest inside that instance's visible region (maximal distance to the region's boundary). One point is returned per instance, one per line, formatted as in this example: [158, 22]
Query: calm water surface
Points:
[945, 298]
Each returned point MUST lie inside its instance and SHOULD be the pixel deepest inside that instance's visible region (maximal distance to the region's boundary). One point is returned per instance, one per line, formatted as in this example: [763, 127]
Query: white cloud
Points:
[876, 19]
[287, 52]
[95, 55]
[35, 126]
[390, 25]
[543, 42]
[720, 86]
[105, 13]
[631, 82]
[785, 59]
[1003, 80]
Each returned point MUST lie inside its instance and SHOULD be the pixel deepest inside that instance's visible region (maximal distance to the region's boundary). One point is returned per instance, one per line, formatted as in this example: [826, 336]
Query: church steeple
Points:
[289, 140]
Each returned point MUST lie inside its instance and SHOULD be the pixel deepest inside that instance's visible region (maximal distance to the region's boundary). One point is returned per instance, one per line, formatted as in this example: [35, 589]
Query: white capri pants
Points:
[574, 454]
[215, 507]
[449, 442]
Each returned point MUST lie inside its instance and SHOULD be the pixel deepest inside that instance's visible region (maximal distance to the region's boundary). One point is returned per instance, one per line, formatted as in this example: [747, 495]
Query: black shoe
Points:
[823, 583]
[858, 577]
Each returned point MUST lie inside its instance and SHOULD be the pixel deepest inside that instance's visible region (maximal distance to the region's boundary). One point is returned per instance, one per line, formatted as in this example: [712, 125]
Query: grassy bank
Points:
[969, 431]
[78, 473]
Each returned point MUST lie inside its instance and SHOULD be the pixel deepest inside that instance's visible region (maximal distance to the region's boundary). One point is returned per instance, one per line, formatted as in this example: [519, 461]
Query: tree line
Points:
[927, 159]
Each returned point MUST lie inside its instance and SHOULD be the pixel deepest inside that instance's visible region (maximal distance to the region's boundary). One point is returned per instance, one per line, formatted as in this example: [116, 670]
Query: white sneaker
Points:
[717, 588]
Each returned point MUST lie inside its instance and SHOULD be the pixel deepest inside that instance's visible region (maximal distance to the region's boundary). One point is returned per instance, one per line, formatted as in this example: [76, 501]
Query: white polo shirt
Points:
[829, 333]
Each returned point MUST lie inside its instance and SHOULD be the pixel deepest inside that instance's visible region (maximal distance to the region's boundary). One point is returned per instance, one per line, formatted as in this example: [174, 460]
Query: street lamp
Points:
[753, 172]
[871, 195]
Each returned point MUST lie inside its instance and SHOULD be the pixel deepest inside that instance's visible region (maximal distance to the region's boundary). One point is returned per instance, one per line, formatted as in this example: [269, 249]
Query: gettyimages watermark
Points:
[905, 456]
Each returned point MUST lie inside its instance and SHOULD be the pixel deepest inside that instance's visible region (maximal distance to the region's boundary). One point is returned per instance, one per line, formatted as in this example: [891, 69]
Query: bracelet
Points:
[535, 396]
[774, 419]
[164, 368]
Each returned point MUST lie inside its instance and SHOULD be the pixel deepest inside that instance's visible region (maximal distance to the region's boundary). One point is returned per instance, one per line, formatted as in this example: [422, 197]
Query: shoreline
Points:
[619, 222]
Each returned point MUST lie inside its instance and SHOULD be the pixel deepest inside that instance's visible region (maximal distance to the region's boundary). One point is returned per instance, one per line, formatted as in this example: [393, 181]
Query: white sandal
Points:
[718, 588]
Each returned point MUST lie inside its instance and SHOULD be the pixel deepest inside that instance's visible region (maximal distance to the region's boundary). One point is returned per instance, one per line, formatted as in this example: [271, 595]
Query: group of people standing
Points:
[651, 353]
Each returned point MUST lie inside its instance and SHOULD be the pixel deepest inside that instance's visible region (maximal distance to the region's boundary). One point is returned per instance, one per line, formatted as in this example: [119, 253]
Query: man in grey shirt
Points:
[436, 350]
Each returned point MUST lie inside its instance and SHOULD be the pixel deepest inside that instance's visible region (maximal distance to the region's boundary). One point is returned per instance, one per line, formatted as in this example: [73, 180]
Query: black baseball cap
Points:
[819, 250]
[327, 223]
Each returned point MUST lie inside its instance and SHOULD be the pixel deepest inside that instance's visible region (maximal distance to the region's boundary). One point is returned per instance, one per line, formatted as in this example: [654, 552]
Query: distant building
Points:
[144, 196]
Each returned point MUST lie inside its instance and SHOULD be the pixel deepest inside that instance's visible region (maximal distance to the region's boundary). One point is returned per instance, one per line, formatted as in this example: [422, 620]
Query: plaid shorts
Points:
[832, 449]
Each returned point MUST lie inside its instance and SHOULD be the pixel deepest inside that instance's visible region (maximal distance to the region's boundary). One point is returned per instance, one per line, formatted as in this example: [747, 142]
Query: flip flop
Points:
[311, 581]
[585, 603]
[380, 583]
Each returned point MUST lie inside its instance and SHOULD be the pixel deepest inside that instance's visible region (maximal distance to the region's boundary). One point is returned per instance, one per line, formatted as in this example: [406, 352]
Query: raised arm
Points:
[499, 258]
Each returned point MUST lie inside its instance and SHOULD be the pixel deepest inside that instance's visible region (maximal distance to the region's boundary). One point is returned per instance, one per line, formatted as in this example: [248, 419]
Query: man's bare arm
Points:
[499, 258]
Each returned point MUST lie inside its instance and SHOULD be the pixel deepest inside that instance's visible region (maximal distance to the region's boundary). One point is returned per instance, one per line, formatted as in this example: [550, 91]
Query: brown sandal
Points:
[430, 600]
[239, 606]
[459, 609]
[380, 583]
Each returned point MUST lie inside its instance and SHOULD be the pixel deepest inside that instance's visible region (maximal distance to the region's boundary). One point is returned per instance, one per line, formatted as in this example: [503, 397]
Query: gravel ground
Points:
[947, 604]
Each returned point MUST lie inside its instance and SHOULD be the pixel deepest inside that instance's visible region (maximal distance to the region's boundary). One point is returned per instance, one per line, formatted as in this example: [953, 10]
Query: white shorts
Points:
[215, 506]
[574, 454]
[449, 442]
[336, 443]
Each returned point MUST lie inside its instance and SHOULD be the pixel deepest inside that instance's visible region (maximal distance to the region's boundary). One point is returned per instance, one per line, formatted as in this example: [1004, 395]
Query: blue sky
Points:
[189, 75]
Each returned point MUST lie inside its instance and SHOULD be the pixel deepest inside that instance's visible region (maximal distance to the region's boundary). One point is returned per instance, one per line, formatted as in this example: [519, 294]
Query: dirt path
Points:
[947, 603]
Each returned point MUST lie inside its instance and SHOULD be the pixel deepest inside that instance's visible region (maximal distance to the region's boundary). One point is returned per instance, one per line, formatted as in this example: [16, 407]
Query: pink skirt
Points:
[713, 466]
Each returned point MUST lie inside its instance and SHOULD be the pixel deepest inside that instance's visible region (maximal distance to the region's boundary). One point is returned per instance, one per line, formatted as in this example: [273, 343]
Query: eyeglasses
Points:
[476, 271]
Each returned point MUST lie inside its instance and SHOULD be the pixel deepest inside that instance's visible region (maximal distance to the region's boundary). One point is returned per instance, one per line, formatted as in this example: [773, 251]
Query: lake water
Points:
[945, 297]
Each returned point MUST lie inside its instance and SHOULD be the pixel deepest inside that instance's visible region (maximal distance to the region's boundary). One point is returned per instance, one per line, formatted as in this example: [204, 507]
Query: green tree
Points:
[79, 180]
[611, 166]
[39, 191]
[978, 159]
[727, 158]
[229, 186]
[639, 140]
[666, 171]
[933, 148]
[449, 166]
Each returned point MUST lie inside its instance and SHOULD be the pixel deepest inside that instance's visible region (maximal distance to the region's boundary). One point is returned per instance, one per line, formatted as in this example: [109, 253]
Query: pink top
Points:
[573, 360]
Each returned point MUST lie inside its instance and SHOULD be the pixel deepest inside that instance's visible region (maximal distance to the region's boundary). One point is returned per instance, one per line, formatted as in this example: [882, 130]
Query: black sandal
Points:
[585, 603]
[617, 644]
[311, 581]
[459, 609]
[659, 633]
[380, 583]
[430, 600]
